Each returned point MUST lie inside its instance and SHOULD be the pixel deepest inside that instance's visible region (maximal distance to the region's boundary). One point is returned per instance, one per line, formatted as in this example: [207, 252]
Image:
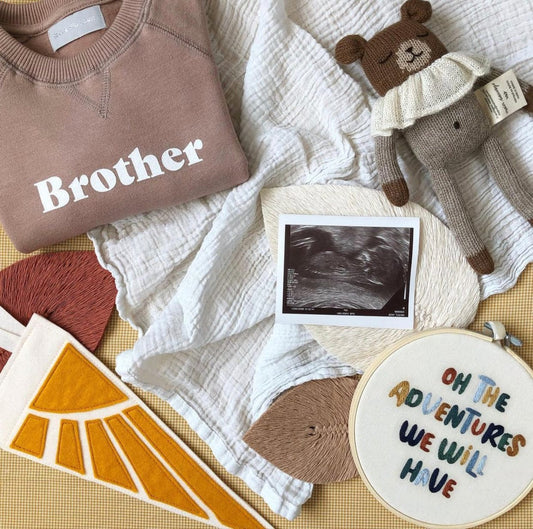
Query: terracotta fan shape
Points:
[68, 288]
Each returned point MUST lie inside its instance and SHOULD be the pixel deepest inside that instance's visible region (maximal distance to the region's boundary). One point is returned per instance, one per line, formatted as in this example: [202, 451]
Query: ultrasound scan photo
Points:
[347, 270]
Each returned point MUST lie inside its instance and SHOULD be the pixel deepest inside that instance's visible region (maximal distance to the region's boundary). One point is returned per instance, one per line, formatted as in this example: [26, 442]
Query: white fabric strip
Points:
[10, 331]
[8, 340]
[10, 324]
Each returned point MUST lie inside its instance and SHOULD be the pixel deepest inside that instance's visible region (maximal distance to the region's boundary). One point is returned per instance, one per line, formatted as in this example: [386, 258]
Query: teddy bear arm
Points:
[390, 175]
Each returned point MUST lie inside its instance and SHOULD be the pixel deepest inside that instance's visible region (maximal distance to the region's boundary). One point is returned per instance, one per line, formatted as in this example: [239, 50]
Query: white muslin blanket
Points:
[198, 280]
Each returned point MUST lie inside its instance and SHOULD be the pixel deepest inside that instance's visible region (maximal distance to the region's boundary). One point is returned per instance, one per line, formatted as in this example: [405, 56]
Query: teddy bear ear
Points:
[417, 10]
[350, 49]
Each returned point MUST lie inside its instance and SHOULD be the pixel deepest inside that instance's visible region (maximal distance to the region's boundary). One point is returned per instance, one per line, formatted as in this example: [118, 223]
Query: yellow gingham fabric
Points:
[35, 497]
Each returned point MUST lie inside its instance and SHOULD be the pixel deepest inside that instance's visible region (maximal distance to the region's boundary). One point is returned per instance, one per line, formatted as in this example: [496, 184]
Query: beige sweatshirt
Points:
[121, 120]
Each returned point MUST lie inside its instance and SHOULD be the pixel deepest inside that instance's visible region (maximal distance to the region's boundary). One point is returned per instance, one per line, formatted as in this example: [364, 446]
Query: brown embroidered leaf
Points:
[68, 288]
[305, 431]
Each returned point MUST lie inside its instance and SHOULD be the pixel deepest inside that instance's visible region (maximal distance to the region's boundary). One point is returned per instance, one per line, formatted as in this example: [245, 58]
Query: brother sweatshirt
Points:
[108, 108]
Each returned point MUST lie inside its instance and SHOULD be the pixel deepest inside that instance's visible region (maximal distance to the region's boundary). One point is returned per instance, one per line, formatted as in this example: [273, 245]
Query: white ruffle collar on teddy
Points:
[426, 92]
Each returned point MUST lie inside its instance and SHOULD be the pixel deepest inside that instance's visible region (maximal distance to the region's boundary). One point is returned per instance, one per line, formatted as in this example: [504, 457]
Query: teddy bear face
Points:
[397, 52]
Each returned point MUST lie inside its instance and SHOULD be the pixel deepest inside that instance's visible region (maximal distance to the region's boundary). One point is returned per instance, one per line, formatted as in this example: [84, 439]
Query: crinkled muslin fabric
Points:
[198, 280]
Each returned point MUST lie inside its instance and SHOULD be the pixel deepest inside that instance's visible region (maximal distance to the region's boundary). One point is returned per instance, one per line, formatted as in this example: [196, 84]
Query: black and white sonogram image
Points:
[347, 270]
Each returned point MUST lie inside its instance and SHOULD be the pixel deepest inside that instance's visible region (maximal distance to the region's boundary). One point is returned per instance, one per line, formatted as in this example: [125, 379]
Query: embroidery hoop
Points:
[367, 379]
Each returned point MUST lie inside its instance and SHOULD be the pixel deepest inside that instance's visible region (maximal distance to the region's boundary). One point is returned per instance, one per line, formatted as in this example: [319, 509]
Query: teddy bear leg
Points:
[507, 178]
[460, 223]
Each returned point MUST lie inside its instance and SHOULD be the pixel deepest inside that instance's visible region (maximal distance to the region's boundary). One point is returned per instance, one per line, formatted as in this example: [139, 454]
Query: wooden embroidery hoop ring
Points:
[355, 403]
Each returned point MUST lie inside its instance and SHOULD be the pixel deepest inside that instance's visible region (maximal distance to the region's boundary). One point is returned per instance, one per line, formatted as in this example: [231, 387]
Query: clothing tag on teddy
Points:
[501, 97]
[76, 26]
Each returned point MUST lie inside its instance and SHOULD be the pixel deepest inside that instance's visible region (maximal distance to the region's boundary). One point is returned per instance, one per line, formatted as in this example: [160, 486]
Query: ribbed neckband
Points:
[37, 16]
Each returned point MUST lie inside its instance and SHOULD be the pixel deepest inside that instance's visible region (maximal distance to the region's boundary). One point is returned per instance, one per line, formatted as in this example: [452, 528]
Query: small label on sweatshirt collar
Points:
[75, 26]
[501, 97]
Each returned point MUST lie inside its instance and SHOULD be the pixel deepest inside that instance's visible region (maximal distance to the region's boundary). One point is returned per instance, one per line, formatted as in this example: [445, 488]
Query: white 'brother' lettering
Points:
[54, 196]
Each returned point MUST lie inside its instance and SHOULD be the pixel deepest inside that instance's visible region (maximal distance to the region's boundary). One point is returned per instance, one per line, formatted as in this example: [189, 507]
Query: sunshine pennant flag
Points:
[62, 407]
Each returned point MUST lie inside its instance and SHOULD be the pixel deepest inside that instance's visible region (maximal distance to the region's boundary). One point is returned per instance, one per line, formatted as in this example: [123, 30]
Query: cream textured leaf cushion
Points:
[447, 289]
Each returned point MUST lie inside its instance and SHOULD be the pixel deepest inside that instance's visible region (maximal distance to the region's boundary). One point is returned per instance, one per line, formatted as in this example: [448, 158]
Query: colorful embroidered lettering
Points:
[422, 476]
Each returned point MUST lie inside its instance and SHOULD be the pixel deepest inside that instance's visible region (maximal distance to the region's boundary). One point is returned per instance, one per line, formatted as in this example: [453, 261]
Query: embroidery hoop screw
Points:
[496, 329]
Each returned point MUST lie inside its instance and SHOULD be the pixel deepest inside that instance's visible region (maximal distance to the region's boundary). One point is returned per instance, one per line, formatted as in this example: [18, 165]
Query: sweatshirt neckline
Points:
[37, 16]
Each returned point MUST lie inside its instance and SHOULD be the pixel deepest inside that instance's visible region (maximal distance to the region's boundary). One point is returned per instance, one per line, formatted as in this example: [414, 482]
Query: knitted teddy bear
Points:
[426, 95]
